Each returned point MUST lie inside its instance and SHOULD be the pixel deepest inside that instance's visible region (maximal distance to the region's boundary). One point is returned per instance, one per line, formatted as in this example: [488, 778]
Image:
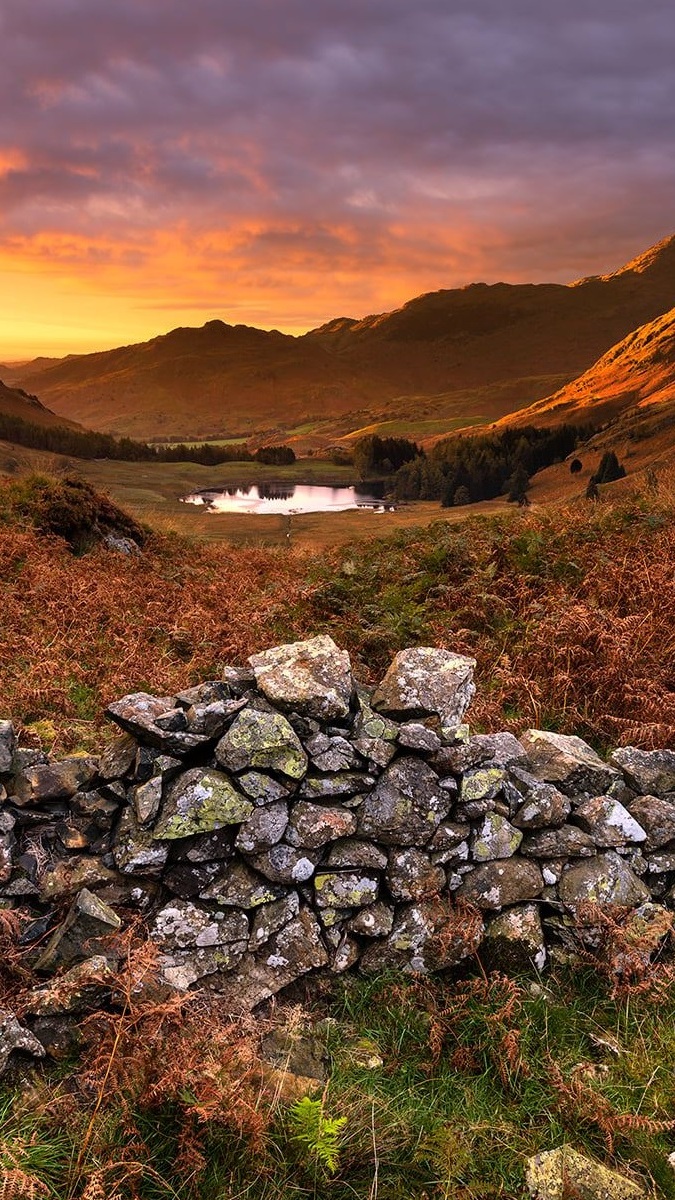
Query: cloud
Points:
[422, 145]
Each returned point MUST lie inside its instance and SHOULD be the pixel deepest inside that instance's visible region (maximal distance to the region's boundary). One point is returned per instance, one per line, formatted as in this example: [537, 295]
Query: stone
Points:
[7, 845]
[263, 788]
[425, 937]
[493, 885]
[449, 835]
[70, 874]
[406, 806]
[495, 838]
[212, 719]
[188, 880]
[498, 749]
[81, 989]
[661, 861]
[657, 818]
[650, 772]
[608, 822]
[313, 825]
[290, 954]
[345, 889]
[377, 752]
[264, 741]
[286, 864]
[483, 784]
[101, 809]
[514, 941]
[558, 1174]
[345, 956]
[270, 918]
[88, 921]
[535, 805]
[642, 936]
[292, 1060]
[342, 783]
[200, 801]
[376, 921]
[356, 852]
[195, 943]
[216, 846]
[331, 753]
[136, 850]
[54, 781]
[15, 1038]
[313, 678]
[567, 841]
[264, 828]
[7, 746]
[568, 762]
[415, 736]
[412, 876]
[605, 879]
[147, 799]
[424, 681]
[209, 692]
[239, 887]
[137, 713]
[238, 680]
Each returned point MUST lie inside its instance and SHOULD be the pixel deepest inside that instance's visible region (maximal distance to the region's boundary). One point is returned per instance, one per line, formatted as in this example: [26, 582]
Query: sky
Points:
[283, 162]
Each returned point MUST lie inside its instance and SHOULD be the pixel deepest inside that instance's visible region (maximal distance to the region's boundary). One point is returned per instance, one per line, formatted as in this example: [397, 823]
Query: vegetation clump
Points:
[70, 508]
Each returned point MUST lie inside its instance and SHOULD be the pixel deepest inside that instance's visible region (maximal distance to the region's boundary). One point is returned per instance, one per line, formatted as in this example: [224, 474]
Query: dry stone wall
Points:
[285, 819]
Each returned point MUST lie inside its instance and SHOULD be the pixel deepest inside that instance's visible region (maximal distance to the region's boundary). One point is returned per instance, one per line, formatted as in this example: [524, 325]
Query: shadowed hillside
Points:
[16, 403]
[471, 353]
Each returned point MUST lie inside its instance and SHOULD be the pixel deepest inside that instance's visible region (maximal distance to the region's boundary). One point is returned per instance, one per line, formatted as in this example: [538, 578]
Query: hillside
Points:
[16, 403]
[634, 381]
[448, 357]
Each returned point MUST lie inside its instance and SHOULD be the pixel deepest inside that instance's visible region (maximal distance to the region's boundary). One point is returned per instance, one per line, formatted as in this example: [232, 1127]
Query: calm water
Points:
[289, 499]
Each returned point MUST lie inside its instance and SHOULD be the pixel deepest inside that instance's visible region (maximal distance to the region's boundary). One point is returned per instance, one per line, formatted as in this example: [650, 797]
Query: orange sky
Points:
[280, 164]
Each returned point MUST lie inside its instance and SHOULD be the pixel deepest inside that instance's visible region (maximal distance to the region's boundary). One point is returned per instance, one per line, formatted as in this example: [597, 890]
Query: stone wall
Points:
[285, 819]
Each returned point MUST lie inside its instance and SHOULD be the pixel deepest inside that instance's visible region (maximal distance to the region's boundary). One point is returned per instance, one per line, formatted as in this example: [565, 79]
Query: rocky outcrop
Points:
[283, 819]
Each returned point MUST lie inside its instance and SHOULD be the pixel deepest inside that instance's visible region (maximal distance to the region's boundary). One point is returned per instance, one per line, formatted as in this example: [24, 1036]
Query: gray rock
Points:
[88, 921]
[237, 886]
[195, 943]
[568, 762]
[343, 783]
[238, 680]
[263, 741]
[378, 752]
[657, 818]
[217, 846]
[415, 736]
[566, 842]
[313, 825]
[97, 807]
[14, 1037]
[146, 799]
[345, 889]
[661, 862]
[482, 784]
[495, 838]
[286, 864]
[212, 719]
[332, 753]
[556, 1174]
[136, 851]
[498, 749]
[270, 918]
[534, 804]
[54, 780]
[356, 852]
[493, 885]
[188, 880]
[209, 692]
[449, 835]
[70, 874]
[605, 879]
[118, 759]
[406, 806]
[608, 822]
[412, 876]
[424, 681]
[427, 936]
[7, 746]
[375, 922]
[137, 713]
[263, 788]
[650, 772]
[264, 828]
[200, 801]
[289, 954]
[313, 678]
[345, 956]
[514, 941]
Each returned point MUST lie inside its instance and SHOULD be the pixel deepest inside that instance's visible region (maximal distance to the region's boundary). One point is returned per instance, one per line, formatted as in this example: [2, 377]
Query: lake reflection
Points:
[289, 498]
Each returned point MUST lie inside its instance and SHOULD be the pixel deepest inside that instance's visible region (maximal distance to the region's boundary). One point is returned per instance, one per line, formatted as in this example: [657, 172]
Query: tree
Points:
[517, 485]
[461, 496]
[576, 466]
[609, 469]
[592, 492]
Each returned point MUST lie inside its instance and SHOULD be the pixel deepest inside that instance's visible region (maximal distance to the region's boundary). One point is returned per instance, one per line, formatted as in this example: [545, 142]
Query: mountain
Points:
[14, 402]
[447, 358]
[634, 381]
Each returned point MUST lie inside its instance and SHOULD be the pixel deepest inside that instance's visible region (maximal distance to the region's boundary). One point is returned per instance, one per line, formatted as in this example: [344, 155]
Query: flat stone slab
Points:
[567, 761]
[558, 1174]
[424, 681]
[313, 678]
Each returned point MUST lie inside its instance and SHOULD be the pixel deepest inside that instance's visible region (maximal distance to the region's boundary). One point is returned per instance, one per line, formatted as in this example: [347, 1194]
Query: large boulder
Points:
[313, 678]
[514, 941]
[606, 879]
[406, 806]
[262, 741]
[648, 771]
[492, 885]
[424, 681]
[568, 762]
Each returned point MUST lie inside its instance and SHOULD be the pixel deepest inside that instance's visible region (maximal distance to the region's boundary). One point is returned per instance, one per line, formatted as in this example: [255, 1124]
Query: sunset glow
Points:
[279, 164]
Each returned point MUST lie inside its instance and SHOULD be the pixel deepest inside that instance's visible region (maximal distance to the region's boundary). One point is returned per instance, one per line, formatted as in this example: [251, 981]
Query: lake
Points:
[287, 499]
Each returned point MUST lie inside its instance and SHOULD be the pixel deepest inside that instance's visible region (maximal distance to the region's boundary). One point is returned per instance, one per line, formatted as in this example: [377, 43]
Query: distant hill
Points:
[634, 380]
[457, 356]
[14, 402]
